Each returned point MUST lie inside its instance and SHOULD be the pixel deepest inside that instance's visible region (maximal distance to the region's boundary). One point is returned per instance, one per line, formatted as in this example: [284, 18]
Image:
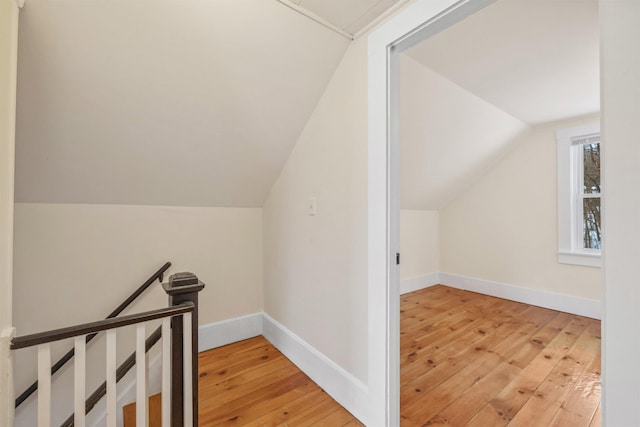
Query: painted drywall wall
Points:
[504, 227]
[621, 209]
[438, 162]
[75, 263]
[315, 267]
[419, 243]
[173, 97]
[8, 63]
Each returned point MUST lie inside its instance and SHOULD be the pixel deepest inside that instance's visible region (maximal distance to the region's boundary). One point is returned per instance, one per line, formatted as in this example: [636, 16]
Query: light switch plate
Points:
[311, 206]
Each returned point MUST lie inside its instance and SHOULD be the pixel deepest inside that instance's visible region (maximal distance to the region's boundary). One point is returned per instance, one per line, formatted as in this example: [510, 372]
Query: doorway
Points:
[386, 47]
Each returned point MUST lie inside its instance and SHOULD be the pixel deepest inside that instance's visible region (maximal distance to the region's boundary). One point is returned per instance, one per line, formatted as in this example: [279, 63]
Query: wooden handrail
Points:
[158, 275]
[99, 326]
[182, 289]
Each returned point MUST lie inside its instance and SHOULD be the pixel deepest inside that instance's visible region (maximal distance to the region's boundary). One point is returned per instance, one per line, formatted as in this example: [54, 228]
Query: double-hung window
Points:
[579, 219]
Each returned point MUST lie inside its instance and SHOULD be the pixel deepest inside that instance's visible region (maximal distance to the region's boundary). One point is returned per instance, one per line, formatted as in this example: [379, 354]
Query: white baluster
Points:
[141, 378]
[188, 379]
[166, 372]
[44, 385]
[79, 379]
[111, 378]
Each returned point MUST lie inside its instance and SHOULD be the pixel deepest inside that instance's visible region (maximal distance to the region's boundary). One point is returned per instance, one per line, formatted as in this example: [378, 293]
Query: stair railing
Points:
[179, 358]
[158, 275]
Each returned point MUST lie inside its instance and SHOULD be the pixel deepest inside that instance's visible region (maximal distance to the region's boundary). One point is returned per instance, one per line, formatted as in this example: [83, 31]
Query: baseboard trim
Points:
[229, 331]
[561, 302]
[417, 283]
[346, 389]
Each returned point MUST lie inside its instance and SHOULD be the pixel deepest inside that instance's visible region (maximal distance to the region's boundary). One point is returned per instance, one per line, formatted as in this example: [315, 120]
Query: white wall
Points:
[75, 263]
[315, 275]
[419, 243]
[621, 209]
[504, 228]
[8, 60]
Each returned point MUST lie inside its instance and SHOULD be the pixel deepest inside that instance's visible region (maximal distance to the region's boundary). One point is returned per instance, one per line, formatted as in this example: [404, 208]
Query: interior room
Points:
[248, 143]
[480, 202]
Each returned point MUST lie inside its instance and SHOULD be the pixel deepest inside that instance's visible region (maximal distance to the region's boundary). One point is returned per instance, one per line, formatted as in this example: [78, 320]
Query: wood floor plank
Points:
[231, 411]
[466, 360]
[278, 401]
[449, 359]
[509, 401]
[339, 417]
[290, 410]
[451, 372]
[258, 386]
[311, 415]
[597, 418]
[470, 402]
[547, 399]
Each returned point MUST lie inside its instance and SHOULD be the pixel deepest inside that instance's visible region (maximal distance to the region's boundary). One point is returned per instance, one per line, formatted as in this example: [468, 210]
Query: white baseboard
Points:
[417, 283]
[561, 302]
[229, 331]
[346, 389]
[338, 383]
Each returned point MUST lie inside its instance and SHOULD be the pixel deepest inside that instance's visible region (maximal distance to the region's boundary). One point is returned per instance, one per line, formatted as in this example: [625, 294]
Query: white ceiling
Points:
[194, 103]
[468, 93]
[351, 16]
[537, 60]
[199, 103]
[448, 137]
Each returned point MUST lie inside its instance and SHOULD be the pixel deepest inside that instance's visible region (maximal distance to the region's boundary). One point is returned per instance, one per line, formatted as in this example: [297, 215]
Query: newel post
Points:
[180, 288]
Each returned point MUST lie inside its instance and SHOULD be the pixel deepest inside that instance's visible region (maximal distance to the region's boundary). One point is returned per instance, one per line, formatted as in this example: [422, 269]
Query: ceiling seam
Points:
[316, 18]
[380, 18]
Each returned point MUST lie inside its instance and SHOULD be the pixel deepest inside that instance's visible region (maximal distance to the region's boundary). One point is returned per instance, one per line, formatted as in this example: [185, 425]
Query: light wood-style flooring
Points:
[250, 383]
[466, 360]
[473, 360]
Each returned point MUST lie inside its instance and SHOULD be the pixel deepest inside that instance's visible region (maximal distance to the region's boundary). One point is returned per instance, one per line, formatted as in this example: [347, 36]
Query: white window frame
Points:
[570, 218]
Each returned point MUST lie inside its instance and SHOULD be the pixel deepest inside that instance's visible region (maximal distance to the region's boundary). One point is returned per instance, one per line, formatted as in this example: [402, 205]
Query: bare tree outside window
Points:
[591, 196]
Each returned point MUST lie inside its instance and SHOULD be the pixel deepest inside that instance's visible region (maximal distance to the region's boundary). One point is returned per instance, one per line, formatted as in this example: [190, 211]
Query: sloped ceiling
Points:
[468, 93]
[448, 137]
[350, 16]
[191, 103]
[538, 60]
[199, 103]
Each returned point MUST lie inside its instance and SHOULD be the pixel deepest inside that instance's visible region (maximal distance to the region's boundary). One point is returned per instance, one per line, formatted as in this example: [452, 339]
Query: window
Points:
[579, 223]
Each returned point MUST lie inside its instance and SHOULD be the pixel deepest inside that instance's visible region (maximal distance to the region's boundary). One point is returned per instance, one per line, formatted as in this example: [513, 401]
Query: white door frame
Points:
[409, 27]
[8, 77]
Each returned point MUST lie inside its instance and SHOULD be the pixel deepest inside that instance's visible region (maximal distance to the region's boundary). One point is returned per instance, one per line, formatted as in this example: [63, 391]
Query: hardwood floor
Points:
[466, 360]
[250, 383]
[473, 360]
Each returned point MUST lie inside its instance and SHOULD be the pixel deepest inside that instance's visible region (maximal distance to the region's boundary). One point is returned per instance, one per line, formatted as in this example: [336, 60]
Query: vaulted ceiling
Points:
[199, 103]
[192, 103]
[537, 60]
[349, 16]
[469, 92]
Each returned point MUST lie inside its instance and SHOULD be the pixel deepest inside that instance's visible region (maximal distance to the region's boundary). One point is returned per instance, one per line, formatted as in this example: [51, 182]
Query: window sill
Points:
[579, 258]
